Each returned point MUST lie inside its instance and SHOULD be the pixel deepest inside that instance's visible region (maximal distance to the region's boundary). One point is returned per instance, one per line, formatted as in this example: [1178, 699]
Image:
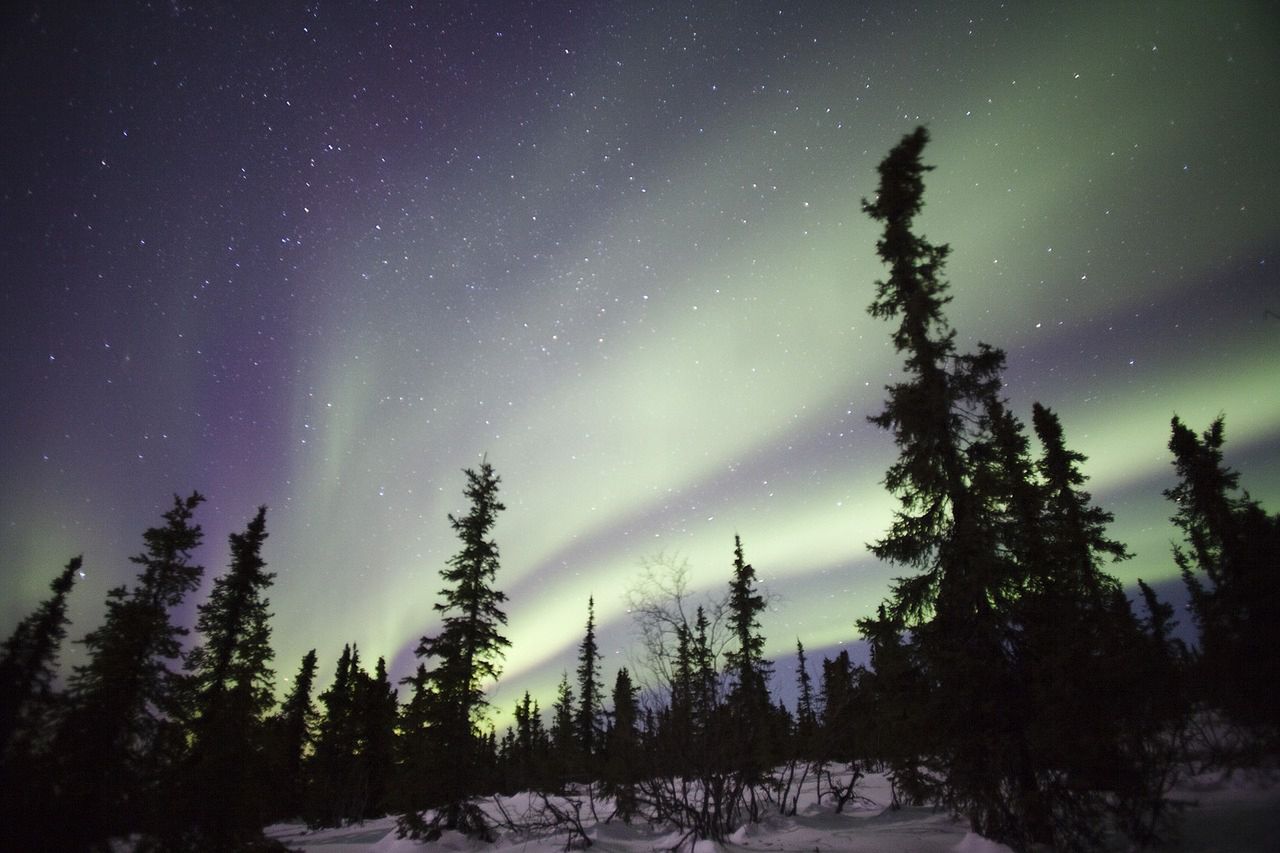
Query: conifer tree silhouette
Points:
[1230, 564]
[750, 711]
[466, 654]
[230, 688]
[622, 755]
[983, 659]
[590, 690]
[120, 722]
[564, 736]
[528, 749]
[378, 712]
[806, 716]
[28, 660]
[745, 661]
[293, 732]
[951, 605]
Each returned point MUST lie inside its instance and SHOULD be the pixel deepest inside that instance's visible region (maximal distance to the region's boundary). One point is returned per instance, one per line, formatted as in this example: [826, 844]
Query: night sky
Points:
[323, 257]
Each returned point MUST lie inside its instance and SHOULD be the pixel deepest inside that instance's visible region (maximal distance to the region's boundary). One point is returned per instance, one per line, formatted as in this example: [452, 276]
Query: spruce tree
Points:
[28, 661]
[745, 662]
[702, 751]
[378, 712]
[564, 736]
[231, 688]
[293, 733]
[1230, 563]
[528, 750]
[1076, 528]
[897, 727]
[703, 683]
[1087, 735]
[835, 694]
[336, 796]
[590, 690]
[748, 703]
[120, 722]
[414, 747]
[27, 706]
[622, 753]
[848, 707]
[984, 659]
[806, 717]
[467, 654]
[952, 605]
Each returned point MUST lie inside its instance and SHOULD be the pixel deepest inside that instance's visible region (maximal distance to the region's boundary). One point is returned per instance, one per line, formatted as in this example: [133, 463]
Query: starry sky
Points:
[324, 256]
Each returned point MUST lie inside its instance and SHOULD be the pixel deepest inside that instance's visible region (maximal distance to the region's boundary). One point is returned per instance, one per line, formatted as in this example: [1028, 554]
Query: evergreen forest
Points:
[1012, 680]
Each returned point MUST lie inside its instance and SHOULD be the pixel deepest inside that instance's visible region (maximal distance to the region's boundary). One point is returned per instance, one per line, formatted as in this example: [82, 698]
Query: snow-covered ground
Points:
[1221, 815]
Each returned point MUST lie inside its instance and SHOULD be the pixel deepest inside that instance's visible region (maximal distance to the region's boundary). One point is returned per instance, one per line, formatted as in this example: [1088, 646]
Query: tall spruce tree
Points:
[971, 650]
[1086, 672]
[745, 661]
[952, 606]
[293, 733]
[414, 754]
[835, 694]
[564, 736]
[529, 748]
[466, 654]
[748, 703]
[28, 660]
[704, 686]
[27, 706]
[120, 722]
[898, 730]
[806, 716]
[334, 797]
[590, 691]
[1230, 563]
[622, 751]
[231, 689]
[378, 711]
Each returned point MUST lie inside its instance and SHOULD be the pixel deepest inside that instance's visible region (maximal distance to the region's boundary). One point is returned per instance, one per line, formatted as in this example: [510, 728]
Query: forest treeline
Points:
[1011, 680]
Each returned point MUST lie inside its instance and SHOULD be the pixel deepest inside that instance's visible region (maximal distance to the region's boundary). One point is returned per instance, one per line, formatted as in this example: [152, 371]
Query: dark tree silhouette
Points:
[122, 703]
[378, 712]
[528, 749]
[1094, 744]
[898, 731]
[27, 705]
[590, 691]
[564, 736]
[745, 661]
[622, 753]
[703, 686]
[989, 660]
[1230, 563]
[293, 732]
[806, 715]
[466, 653]
[951, 606]
[337, 793]
[231, 689]
[754, 737]
[28, 661]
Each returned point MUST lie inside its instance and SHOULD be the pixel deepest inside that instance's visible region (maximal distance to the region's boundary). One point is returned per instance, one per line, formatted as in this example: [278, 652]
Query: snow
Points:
[974, 843]
[1237, 813]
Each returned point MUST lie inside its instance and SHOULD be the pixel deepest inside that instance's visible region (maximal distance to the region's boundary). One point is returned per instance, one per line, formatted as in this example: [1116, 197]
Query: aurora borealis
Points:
[323, 257]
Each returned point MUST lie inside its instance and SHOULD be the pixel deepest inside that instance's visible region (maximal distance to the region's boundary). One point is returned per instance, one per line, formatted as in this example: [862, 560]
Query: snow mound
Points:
[974, 843]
